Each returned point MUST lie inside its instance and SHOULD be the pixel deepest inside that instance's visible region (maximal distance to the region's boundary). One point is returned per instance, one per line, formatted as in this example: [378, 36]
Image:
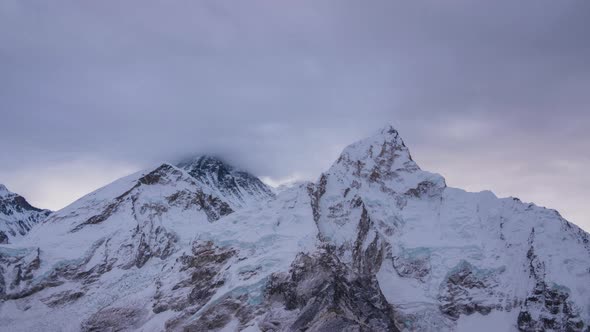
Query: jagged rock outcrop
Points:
[320, 293]
[547, 306]
[468, 290]
[202, 267]
[17, 216]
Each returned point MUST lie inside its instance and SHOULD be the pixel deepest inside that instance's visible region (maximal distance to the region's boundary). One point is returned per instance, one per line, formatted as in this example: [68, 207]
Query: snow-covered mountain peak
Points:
[153, 191]
[3, 190]
[206, 162]
[444, 254]
[385, 152]
[163, 174]
[388, 129]
[382, 162]
[237, 186]
[141, 218]
[17, 216]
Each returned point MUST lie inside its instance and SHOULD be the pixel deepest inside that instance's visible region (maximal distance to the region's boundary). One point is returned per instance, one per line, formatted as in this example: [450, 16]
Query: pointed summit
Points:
[388, 130]
[238, 187]
[3, 190]
[17, 216]
[375, 168]
[384, 160]
[385, 144]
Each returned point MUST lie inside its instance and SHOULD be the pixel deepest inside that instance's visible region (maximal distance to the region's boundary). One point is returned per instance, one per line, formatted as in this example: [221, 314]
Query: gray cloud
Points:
[492, 95]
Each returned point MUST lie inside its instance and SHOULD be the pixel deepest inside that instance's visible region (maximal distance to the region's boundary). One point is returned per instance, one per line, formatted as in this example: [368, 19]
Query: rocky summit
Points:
[375, 244]
[17, 216]
[239, 188]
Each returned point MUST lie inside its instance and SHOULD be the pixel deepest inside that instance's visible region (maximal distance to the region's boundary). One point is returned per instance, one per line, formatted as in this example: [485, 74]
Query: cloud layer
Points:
[491, 95]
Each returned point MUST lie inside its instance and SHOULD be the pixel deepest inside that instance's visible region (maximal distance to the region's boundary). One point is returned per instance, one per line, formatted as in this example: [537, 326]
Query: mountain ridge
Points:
[375, 244]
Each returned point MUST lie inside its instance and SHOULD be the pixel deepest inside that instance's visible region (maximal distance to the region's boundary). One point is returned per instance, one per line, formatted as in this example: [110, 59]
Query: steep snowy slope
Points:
[17, 216]
[149, 251]
[376, 244]
[239, 188]
[94, 251]
[445, 254]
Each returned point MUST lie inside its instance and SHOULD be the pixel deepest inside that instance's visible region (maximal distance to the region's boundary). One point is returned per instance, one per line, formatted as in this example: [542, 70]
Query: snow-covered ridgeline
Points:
[375, 244]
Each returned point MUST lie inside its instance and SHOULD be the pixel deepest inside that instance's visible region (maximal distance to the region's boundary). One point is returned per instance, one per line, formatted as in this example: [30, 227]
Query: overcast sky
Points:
[492, 95]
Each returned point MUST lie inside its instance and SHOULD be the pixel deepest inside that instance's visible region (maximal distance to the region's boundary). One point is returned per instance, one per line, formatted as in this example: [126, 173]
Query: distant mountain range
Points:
[375, 244]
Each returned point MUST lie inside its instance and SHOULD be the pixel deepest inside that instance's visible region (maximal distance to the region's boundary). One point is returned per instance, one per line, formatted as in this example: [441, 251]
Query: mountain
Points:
[447, 259]
[17, 216]
[238, 187]
[376, 244]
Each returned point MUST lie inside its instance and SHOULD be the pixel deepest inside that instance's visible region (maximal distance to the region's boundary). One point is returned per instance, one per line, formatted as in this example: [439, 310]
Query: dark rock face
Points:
[221, 313]
[153, 243]
[97, 219]
[201, 270]
[425, 189]
[62, 298]
[237, 186]
[214, 207]
[464, 284]
[12, 204]
[315, 193]
[323, 294]
[368, 252]
[547, 307]
[113, 319]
